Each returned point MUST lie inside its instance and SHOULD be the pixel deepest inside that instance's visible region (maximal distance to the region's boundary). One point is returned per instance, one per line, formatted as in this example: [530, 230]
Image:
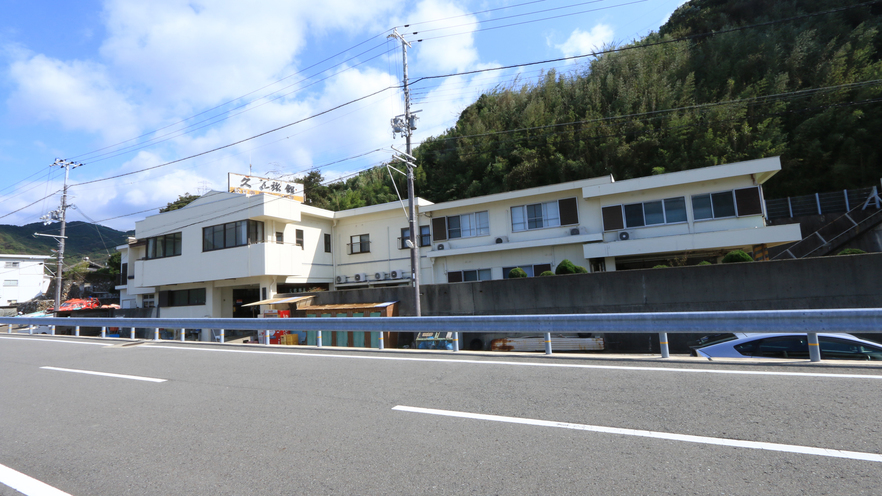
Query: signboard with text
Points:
[253, 185]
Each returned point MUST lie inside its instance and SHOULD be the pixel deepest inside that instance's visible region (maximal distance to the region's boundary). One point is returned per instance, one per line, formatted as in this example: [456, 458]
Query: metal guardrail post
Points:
[267, 337]
[132, 333]
[31, 330]
[381, 345]
[318, 338]
[547, 343]
[455, 341]
[814, 347]
[8, 328]
[183, 334]
[156, 334]
[221, 335]
[103, 332]
[663, 344]
[77, 331]
[53, 330]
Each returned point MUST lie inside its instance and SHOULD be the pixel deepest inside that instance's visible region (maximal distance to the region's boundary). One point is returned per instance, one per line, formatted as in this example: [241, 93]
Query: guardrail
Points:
[861, 320]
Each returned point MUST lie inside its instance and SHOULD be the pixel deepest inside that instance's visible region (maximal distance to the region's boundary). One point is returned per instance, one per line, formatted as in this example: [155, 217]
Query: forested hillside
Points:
[83, 240]
[722, 81]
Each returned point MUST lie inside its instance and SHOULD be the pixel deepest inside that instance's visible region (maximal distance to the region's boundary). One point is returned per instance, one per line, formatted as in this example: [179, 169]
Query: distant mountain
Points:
[83, 240]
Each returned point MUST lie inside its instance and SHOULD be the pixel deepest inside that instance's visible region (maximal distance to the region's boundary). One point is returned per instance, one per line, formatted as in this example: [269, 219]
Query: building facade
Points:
[24, 278]
[225, 250]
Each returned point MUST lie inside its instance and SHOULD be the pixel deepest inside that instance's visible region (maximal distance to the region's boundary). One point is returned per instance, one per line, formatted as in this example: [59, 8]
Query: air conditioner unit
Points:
[574, 231]
[502, 239]
[624, 235]
[440, 246]
[342, 279]
[361, 277]
[381, 276]
[395, 274]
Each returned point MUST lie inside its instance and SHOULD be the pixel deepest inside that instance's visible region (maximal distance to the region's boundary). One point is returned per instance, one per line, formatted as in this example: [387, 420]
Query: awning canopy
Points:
[277, 301]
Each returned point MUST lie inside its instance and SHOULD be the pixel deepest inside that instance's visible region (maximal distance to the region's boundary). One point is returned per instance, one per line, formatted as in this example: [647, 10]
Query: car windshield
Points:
[797, 347]
[712, 339]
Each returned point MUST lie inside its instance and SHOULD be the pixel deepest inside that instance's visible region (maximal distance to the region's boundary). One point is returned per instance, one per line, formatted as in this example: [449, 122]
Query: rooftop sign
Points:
[253, 185]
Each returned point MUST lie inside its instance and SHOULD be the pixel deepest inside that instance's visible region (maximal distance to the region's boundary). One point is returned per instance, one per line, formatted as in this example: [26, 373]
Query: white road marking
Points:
[106, 374]
[736, 443]
[56, 340]
[27, 485]
[526, 364]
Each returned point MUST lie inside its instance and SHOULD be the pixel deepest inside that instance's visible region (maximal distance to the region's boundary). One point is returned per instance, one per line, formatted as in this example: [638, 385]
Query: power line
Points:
[237, 142]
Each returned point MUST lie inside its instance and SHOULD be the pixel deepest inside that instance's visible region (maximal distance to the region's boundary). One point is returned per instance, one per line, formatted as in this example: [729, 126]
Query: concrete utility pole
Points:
[405, 126]
[60, 216]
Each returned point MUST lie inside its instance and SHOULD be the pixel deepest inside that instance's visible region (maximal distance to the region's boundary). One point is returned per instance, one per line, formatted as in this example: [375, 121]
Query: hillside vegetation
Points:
[807, 89]
[83, 240]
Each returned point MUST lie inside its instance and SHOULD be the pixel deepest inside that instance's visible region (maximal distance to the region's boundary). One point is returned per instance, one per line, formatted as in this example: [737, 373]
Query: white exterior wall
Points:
[23, 279]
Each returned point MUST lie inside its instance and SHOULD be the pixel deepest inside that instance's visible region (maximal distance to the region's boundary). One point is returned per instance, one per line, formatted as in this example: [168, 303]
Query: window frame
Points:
[534, 269]
[183, 297]
[534, 216]
[611, 221]
[12, 265]
[363, 239]
[240, 233]
[158, 244]
[327, 238]
[461, 275]
[298, 238]
[745, 202]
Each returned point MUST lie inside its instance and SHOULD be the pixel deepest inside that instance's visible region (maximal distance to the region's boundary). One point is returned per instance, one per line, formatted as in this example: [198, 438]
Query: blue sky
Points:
[124, 86]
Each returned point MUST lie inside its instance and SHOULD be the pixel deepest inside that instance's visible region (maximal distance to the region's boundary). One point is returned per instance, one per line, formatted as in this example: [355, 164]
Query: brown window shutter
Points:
[454, 276]
[540, 268]
[612, 218]
[163, 298]
[439, 229]
[569, 211]
[748, 201]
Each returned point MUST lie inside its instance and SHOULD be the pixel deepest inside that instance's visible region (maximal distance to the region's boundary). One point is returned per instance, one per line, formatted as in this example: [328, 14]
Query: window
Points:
[531, 270]
[10, 282]
[667, 211]
[298, 238]
[425, 238]
[168, 245]
[739, 202]
[232, 234]
[540, 215]
[468, 275]
[360, 244]
[458, 226]
[181, 298]
[12, 265]
[280, 238]
[327, 243]
[148, 301]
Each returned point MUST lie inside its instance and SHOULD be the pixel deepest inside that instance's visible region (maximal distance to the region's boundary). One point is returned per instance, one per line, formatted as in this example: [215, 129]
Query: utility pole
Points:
[60, 216]
[405, 126]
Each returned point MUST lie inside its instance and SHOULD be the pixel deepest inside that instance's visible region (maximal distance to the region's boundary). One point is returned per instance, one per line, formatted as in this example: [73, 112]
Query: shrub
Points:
[704, 262]
[516, 273]
[736, 256]
[851, 251]
[581, 270]
[565, 267]
[546, 273]
[662, 266]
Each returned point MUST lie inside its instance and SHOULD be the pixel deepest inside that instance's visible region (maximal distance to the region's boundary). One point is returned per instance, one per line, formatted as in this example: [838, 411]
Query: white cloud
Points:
[440, 53]
[78, 95]
[582, 42]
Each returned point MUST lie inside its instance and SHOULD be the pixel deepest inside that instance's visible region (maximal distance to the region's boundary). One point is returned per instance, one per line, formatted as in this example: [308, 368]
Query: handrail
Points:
[853, 320]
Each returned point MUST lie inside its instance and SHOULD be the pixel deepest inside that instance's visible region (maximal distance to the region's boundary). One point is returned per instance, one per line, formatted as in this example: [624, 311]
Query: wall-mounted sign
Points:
[253, 185]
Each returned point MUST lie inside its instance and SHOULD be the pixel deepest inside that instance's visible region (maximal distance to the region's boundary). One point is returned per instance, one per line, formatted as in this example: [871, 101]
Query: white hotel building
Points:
[225, 250]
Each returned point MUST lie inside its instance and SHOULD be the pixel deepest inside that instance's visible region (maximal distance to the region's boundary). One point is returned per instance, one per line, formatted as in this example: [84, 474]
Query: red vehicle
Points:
[79, 304]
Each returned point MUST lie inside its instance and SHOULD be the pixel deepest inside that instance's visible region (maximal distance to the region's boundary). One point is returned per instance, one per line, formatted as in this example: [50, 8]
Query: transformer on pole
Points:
[59, 215]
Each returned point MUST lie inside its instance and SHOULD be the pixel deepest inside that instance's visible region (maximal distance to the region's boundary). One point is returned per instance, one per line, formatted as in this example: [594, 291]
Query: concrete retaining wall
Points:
[829, 282]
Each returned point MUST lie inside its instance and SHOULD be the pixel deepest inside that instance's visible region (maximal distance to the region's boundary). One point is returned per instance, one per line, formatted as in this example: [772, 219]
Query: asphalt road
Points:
[296, 420]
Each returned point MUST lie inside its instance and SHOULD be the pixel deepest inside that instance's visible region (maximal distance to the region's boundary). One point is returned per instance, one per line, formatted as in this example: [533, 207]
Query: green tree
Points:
[565, 267]
[181, 202]
[516, 273]
[736, 256]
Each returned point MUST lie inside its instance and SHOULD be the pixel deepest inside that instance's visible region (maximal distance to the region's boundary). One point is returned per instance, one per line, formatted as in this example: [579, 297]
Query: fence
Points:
[817, 204]
[867, 320]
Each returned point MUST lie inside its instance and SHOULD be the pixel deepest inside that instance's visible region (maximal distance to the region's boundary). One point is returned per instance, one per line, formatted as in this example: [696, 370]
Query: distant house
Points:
[226, 250]
[24, 278]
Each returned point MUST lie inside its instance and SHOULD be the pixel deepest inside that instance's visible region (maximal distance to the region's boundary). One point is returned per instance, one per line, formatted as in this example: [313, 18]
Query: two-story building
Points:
[226, 250]
[24, 278]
